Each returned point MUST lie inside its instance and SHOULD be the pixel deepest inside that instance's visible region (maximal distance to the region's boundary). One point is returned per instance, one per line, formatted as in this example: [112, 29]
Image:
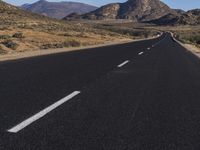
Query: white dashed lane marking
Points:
[42, 113]
[140, 53]
[124, 63]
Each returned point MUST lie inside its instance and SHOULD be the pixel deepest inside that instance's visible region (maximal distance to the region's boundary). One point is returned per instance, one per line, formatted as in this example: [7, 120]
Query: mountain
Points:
[147, 11]
[137, 10]
[25, 6]
[58, 9]
[11, 15]
[191, 17]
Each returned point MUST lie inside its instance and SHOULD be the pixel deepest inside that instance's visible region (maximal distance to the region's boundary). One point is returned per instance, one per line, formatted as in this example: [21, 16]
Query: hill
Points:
[179, 11]
[58, 9]
[137, 10]
[21, 30]
[145, 11]
[191, 17]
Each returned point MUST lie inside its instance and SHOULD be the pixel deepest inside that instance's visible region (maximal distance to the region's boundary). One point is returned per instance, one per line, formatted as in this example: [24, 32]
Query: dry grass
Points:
[23, 31]
[41, 36]
[127, 28]
[57, 34]
[190, 36]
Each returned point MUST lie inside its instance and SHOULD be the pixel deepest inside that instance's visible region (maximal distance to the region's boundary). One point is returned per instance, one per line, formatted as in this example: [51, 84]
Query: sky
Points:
[181, 4]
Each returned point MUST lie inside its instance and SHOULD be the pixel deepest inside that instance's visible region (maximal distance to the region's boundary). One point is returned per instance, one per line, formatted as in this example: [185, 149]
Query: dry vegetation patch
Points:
[41, 36]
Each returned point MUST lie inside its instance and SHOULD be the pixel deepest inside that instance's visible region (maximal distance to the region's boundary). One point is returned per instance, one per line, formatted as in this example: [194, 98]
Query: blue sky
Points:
[182, 4]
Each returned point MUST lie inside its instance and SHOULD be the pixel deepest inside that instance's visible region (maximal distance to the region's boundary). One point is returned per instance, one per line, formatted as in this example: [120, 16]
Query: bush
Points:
[50, 45]
[197, 39]
[71, 43]
[18, 35]
[66, 34]
[10, 44]
[5, 36]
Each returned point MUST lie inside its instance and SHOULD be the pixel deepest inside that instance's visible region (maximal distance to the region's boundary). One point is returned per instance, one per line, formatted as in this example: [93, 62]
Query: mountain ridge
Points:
[58, 10]
[146, 11]
[191, 17]
[137, 10]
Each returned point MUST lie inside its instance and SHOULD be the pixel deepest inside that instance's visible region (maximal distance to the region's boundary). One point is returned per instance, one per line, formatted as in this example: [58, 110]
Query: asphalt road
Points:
[136, 96]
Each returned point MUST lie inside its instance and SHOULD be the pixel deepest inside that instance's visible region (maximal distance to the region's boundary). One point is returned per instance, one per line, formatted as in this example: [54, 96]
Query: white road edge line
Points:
[140, 53]
[42, 113]
[124, 63]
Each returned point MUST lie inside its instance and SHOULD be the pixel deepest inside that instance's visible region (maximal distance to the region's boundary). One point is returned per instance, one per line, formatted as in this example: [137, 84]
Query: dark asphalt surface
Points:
[151, 103]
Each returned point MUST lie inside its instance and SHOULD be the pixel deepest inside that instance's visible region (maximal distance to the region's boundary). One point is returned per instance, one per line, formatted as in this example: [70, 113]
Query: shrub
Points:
[10, 44]
[66, 34]
[5, 36]
[72, 43]
[50, 45]
[18, 35]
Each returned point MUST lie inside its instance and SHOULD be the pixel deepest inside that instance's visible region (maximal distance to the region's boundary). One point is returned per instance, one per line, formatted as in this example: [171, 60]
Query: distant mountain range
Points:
[191, 17]
[12, 15]
[58, 9]
[148, 11]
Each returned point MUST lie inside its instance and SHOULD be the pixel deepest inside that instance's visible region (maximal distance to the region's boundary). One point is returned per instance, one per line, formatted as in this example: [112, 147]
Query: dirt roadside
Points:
[28, 54]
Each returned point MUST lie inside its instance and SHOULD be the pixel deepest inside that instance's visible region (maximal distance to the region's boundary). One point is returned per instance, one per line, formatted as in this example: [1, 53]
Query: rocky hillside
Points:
[191, 17]
[146, 11]
[58, 9]
[137, 10]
